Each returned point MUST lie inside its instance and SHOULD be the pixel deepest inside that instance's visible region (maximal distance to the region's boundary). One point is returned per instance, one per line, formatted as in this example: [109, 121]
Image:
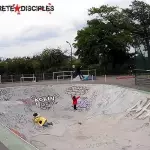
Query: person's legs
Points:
[80, 75]
[74, 74]
[50, 123]
[45, 124]
[75, 108]
[77, 74]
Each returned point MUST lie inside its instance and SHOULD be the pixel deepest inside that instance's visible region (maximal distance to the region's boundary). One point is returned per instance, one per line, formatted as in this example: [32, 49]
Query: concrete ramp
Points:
[86, 77]
[107, 116]
[77, 78]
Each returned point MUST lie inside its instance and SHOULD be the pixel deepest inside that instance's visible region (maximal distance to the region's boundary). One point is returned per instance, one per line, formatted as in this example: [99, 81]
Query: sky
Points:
[31, 32]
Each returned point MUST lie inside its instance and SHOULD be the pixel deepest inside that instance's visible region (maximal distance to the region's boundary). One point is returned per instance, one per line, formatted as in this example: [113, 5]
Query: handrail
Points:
[34, 78]
[63, 76]
[28, 77]
[141, 70]
[67, 71]
[73, 71]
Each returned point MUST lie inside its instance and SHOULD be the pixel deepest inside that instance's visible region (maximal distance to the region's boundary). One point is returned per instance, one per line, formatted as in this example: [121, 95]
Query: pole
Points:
[71, 52]
[63, 75]
[53, 75]
[71, 55]
[92, 78]
[105, 77]
[43, 77]
[11, 78]
[135, 66]
[71, 78]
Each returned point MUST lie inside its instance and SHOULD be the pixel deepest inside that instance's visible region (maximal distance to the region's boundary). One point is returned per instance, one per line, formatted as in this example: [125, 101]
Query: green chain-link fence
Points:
[142, 65]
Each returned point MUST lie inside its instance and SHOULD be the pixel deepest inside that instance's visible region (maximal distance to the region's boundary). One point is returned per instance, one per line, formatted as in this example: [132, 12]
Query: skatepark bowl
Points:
[108, 117]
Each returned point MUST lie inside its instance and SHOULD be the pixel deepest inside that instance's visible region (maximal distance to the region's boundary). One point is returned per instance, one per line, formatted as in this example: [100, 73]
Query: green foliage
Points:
[139, 16]
[101, 40]
[48, 61]
[109, 36]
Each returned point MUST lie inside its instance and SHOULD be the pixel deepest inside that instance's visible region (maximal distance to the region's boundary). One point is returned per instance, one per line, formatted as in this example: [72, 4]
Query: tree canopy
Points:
[48, 61]
[109, 36]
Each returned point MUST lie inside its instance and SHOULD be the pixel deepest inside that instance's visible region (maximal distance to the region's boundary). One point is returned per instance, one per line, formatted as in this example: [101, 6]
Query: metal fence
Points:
[16, 78]
[142, 61]
[142, 77]
[42, 76]
[142, 66]
[67, 74]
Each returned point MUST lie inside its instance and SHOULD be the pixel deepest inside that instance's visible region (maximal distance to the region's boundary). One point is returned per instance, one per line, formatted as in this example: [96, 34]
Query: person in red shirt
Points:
[75, 101]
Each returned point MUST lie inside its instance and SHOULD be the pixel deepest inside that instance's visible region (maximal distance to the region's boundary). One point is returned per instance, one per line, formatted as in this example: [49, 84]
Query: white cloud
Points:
[18, 32]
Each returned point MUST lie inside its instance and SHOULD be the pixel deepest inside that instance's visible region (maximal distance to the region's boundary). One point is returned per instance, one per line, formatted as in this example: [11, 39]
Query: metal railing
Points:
[33, 79]
[64, 73]
[64, 76]
[42, 76]
[29, 77]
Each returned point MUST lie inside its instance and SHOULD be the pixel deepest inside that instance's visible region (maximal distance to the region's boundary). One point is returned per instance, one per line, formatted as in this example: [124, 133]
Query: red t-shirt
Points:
[75, 101]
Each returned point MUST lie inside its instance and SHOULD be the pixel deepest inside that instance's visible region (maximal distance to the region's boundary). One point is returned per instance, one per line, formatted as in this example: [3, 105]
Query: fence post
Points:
[43, 77]
[23, 78]
[135, 78]
[33, 78]
[88, 72]
[57, 78]
[53, 75]
[63, 75]
[72, 74]
[11, 78]
[92, 78]
[71, 78]
[95, 73]
[0, 79]
[105, 77]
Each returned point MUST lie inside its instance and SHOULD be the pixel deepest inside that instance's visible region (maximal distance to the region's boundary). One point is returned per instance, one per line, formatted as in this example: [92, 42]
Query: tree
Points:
[104, 38]
[3, 67]
[52, 58]
[139, 16]
[48, 61]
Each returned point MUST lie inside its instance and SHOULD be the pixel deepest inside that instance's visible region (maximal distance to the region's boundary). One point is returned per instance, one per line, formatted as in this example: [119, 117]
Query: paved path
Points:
[100, 80]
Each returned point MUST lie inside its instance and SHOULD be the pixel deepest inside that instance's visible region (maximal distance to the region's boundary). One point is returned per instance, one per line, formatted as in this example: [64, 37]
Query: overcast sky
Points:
[31, 32]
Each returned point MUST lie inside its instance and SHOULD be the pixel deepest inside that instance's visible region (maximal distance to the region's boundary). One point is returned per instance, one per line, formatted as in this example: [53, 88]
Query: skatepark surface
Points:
[107, 117]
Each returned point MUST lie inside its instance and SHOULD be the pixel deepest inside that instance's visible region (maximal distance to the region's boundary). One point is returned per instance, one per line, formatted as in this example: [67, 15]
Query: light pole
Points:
[71, 52]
